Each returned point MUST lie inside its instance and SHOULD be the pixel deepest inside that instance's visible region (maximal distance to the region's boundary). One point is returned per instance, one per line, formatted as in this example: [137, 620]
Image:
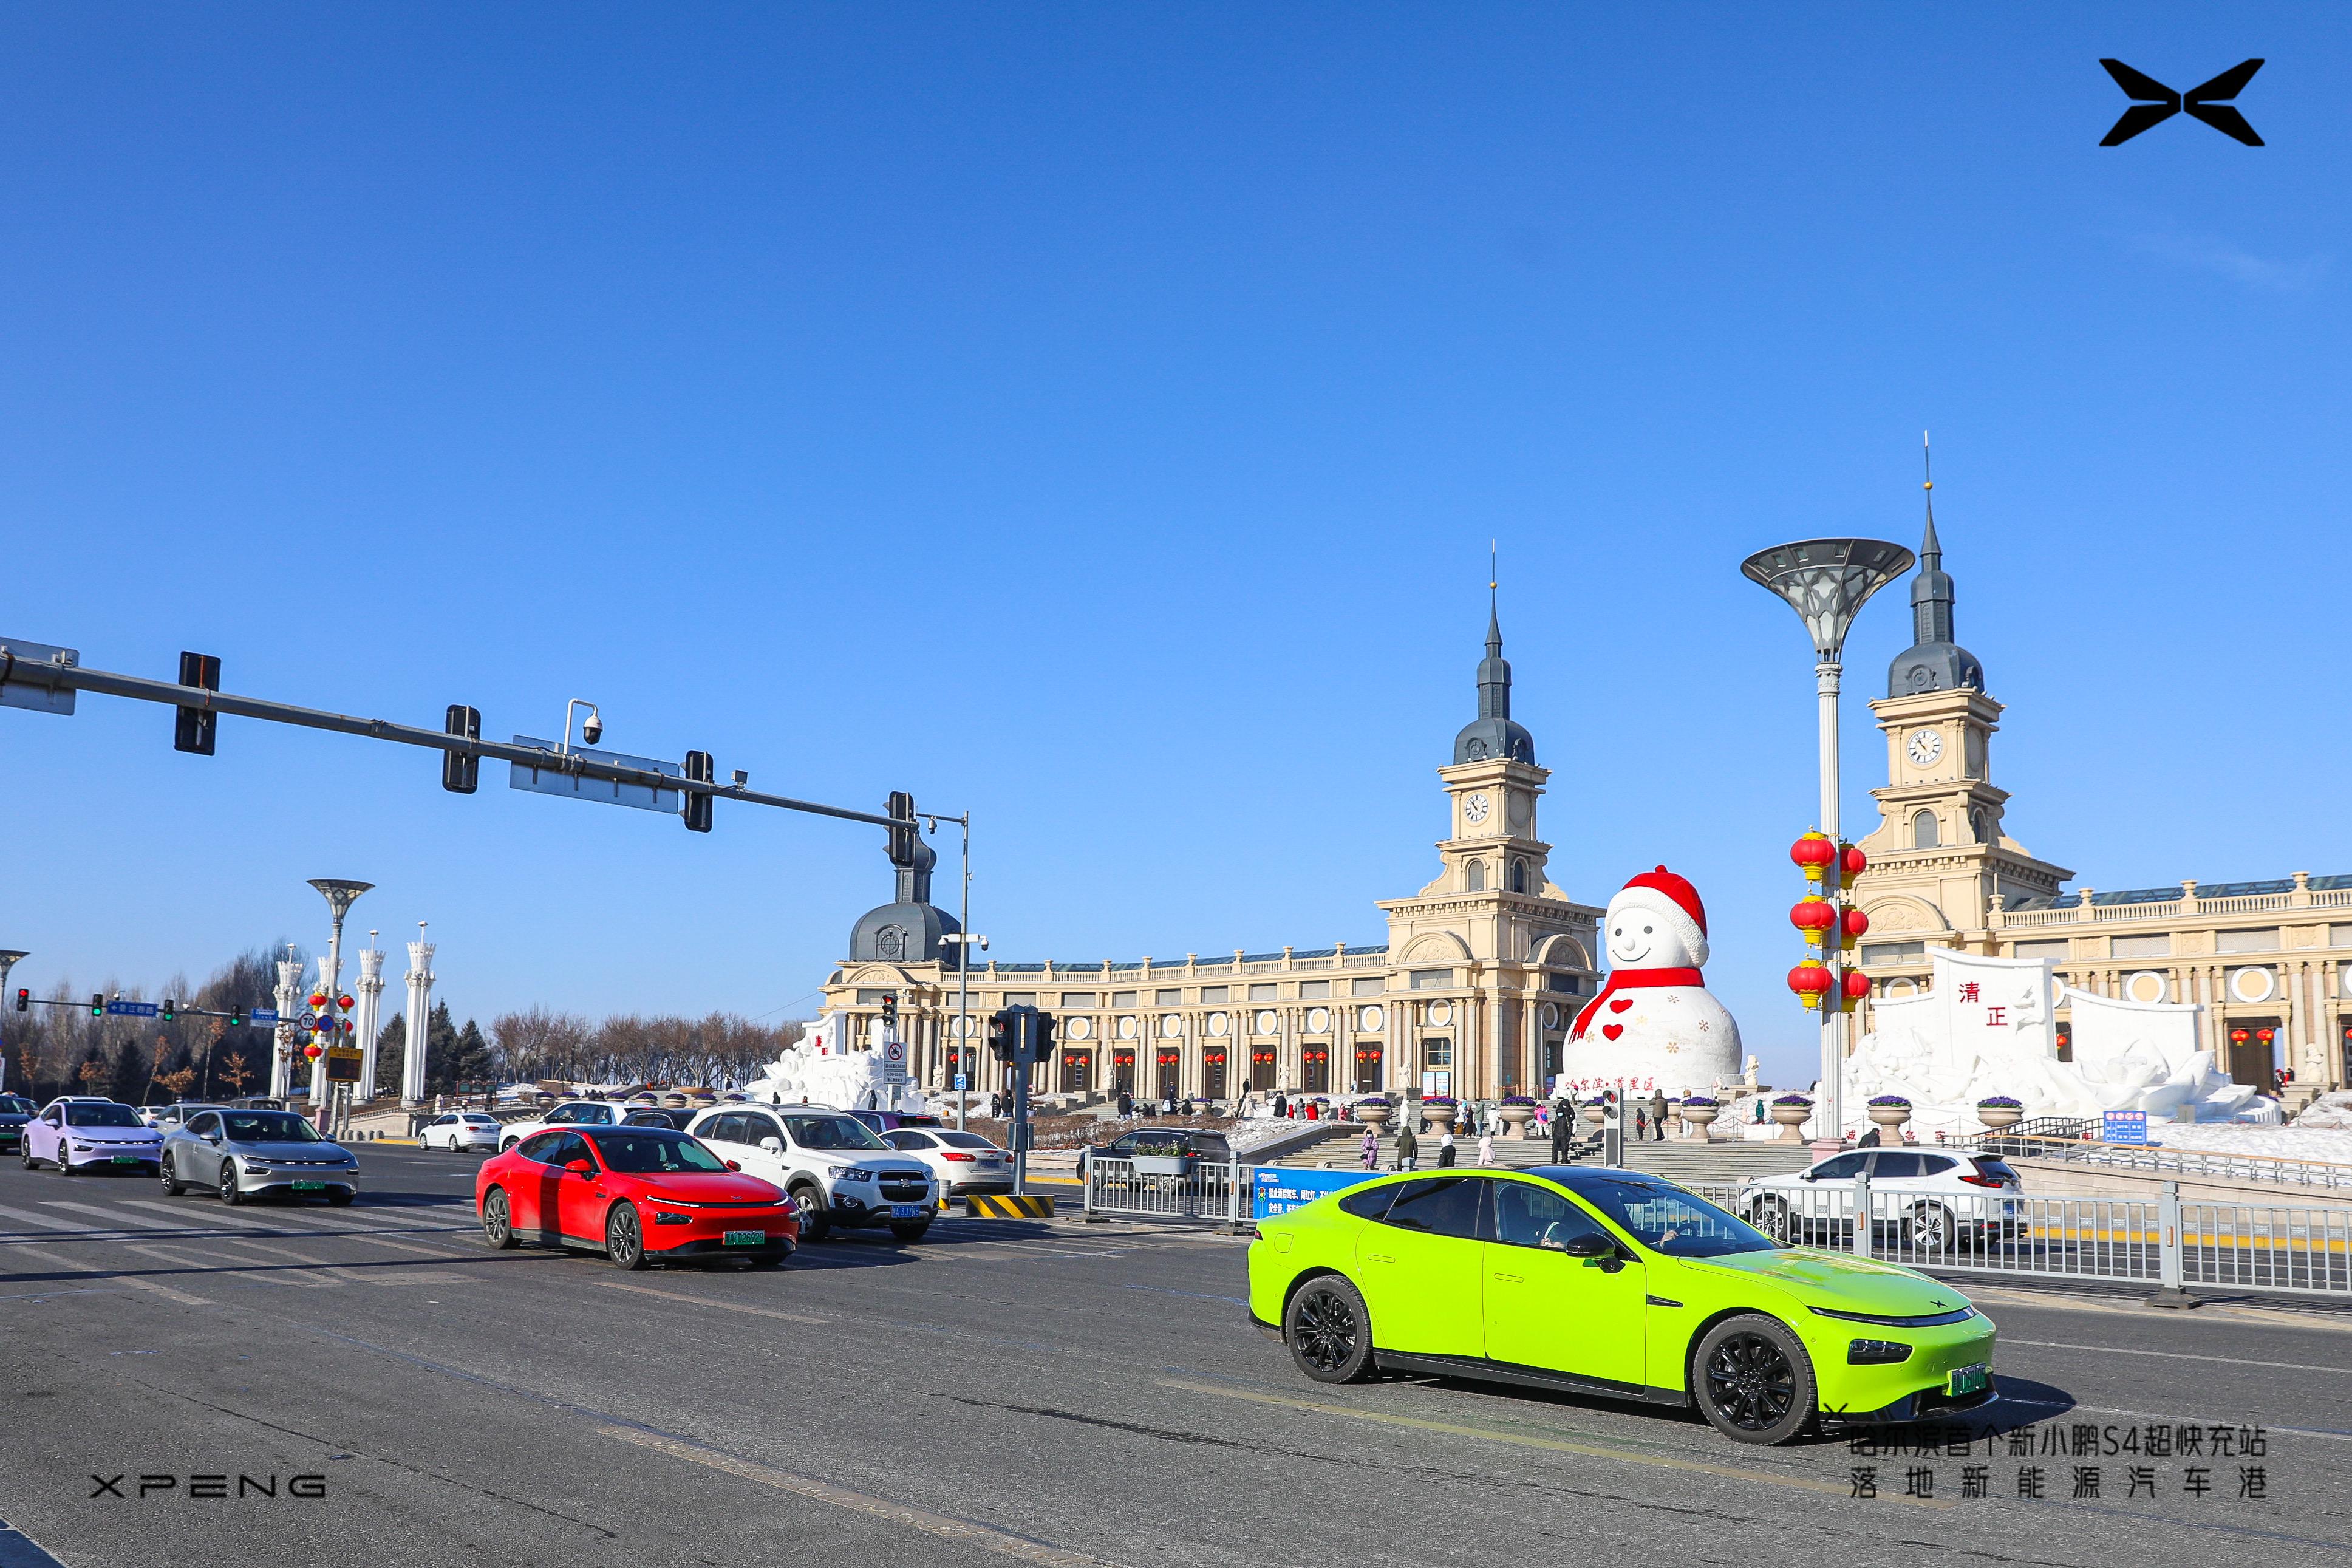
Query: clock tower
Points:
[1939, 856]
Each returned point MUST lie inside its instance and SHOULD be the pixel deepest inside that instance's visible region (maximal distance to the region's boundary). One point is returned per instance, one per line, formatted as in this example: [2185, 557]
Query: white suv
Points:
[1939, 1198]
[585, 1113]
[837, 1171]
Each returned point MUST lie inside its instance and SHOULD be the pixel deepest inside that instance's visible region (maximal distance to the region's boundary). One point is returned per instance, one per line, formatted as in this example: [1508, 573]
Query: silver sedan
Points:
[239, 1154]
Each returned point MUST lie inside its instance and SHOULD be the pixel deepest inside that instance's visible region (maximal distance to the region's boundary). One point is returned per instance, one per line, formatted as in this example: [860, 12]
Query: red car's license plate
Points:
[746, 1238]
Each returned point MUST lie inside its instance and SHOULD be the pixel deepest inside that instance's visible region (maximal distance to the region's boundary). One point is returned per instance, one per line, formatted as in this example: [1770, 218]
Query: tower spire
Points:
[1491, 733]
[1934, 662]
[1931, 550]
[1494, 621]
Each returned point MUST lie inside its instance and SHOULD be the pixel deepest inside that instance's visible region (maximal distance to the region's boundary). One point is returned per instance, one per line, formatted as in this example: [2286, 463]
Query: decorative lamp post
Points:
[371, 996]
[420, 1019]
[290, 1006]
[1826, 581]
[340, 896]
[8, 957]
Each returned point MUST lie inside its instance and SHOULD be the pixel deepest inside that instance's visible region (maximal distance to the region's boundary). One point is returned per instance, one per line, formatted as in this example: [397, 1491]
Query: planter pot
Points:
[1996, 1117]
[1374, 1116]
[1515, 1119]
[1596, 1114]
[1889, 1120]
[1698, 1118]
[1790, 1117]
[1440, 1117]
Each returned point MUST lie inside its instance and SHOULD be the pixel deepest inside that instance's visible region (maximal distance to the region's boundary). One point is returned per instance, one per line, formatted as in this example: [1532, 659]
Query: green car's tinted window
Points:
[1439, 1205]
[1529, 1215]
[1664, 1218]
[1368, 1202]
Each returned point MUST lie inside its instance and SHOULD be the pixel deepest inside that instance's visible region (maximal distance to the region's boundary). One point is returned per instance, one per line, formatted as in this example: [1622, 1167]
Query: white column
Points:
[1830, 1117]
[319, 1068]
[420, 1018]
[371, 1000]
[289, 1005]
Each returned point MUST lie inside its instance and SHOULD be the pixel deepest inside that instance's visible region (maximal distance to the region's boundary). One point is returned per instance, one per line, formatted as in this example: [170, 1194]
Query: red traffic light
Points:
[24, 999]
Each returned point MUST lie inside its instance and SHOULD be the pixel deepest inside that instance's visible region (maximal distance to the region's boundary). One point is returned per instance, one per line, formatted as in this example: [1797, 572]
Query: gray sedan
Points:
[243, 1154]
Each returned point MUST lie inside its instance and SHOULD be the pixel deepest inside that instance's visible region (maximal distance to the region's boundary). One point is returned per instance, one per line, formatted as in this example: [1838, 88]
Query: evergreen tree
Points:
[474, 1063]
[441, 1050]
[391, 1049]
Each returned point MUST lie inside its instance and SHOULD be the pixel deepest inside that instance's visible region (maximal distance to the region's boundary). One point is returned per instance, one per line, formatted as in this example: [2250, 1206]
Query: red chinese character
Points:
[1994, 1016]
[1968, 991]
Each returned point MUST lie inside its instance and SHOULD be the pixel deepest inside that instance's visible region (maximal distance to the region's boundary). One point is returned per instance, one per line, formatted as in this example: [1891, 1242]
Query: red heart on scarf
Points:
[1618, 1004]
[1613, 1030]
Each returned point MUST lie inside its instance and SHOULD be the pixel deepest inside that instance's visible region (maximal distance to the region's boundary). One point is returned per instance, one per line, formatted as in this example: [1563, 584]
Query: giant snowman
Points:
[1654, 1025]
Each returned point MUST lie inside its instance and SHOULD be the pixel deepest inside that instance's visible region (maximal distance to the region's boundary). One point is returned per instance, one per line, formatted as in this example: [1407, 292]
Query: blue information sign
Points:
[2123, 1126]
[959, 1081]
[132, 1009]
[262, 1016]
[1281, 1188]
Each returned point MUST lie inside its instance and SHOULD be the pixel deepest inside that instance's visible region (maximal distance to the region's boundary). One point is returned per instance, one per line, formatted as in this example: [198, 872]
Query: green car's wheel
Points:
[1328, 1332]
[1755, 1381]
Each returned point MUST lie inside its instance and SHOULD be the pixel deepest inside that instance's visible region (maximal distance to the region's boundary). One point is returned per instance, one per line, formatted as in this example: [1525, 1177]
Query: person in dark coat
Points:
[1563, 1133]
[1126, 1105]
[1408, 1148]
[1281, 1106]
[1445, 1148]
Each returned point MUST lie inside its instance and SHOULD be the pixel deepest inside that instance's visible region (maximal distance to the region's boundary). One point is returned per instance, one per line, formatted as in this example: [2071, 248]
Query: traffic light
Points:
[23, 998]
[98, 1003]
[889, 1005]
[237, 1015]
[1000, 1036]
[193, 729]
[461, 772]
[698, 805]
[901, 811]
[170, 1010]
[1044, 1051]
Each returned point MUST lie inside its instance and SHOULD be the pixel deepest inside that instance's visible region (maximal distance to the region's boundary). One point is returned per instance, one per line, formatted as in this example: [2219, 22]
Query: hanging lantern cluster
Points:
[1830, 869]
[326, 1023]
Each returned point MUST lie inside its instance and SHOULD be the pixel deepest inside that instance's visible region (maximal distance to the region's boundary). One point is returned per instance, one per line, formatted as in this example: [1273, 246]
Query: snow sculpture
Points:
[821, 1069]
[1984, 1029]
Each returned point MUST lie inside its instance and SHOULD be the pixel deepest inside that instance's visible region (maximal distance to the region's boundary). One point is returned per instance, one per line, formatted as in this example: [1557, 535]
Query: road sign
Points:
[894, 1061]
[342, 1064]
[552, 779]
[959, 1082]
[2124, 1127]
[307, 1021]
[131, 1009]
[39, 699]
[262, 1016]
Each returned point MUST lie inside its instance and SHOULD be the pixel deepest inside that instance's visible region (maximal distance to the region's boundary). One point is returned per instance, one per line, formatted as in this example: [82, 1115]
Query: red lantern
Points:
[1853, 862]
[2264, 1035]
[1813, 915]
[1811, 980]
[344, 1003]
[2237, 1036]
[1856, 985]
[313, 1051]
[1853, 923]
[318, 998]
[1814, 853]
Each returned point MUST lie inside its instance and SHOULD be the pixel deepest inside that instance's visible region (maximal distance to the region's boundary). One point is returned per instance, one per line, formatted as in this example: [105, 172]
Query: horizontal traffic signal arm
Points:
[58, 676]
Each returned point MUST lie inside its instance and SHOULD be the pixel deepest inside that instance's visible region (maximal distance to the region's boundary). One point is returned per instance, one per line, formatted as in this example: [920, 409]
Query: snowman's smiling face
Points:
[1633, 936]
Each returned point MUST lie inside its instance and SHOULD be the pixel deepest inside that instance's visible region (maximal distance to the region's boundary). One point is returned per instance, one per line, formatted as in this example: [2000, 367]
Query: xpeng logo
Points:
[2154, 103]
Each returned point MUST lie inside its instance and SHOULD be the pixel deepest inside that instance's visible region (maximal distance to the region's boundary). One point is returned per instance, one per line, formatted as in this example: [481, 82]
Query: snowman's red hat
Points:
[1674, 902]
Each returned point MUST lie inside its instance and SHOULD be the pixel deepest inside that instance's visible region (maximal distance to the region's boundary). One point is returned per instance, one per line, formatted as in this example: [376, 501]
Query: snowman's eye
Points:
[1648, 930]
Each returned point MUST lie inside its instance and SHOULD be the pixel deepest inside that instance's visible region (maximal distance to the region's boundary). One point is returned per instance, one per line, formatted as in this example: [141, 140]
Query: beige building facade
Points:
[1472, 994]
[2270, 961]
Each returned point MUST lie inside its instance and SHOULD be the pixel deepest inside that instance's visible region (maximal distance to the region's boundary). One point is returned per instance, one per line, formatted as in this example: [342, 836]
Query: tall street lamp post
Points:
[290, 1007]
[340, 896]
[8, 957]
[1826, 581]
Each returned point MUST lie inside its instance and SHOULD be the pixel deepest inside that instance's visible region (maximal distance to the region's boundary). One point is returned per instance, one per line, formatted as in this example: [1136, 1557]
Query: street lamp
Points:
[964, 942]
[8, 957]
[340, 896]
[1826, 581]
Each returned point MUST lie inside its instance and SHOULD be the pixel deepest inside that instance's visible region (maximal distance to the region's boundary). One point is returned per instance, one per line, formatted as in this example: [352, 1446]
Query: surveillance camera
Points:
[592, 730]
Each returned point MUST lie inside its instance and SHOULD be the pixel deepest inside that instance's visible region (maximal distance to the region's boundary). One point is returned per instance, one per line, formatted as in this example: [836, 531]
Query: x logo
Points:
[2154, 103]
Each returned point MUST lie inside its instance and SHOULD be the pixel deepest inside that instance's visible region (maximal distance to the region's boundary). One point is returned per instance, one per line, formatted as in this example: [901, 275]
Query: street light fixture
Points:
[1826, 581]
[964, 940]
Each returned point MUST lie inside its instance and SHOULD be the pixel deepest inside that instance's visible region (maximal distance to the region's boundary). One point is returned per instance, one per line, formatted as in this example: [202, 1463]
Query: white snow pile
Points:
[818, 1071]
[2329, 1113]
[2332, 1145]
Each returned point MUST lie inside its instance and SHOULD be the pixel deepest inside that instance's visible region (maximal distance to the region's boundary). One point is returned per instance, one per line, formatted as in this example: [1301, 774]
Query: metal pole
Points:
[1862, 1218]
[1825, 680]
[1025, 1052]
[963, 983]
[331, 974]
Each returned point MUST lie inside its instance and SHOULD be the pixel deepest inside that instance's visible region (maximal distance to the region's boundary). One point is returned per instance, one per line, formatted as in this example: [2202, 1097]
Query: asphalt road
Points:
[1056, 1393]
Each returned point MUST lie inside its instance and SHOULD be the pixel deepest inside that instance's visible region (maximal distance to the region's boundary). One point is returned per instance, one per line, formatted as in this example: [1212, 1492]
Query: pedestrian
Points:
[1281, 1106]
[1126, 1104]
[1188, 1105]
[1408, 1148]
[1868, 1139]
[1641, 1123]
[1371, 1148]
[1563, 1136]
[1486, 1148]
[1657, 1116]
[1445, 1149]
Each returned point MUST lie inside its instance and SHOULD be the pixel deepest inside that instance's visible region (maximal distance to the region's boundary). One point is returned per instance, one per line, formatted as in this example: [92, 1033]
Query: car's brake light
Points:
[1982, 1181]
[951, 1154]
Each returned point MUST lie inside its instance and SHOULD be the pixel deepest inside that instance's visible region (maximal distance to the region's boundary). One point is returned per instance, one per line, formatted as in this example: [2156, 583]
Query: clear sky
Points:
[1096, 417]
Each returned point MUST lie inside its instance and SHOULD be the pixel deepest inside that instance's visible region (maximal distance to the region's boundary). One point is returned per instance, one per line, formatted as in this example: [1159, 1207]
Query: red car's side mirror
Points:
[581, 1168]
[734, 1164]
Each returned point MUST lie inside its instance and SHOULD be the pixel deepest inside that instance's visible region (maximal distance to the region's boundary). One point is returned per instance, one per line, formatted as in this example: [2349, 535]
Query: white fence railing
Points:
[1170, 1187]
[2208, 1164]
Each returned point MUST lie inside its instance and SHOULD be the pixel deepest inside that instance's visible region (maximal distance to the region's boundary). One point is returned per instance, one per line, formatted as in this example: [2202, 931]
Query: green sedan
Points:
[1611, 1283]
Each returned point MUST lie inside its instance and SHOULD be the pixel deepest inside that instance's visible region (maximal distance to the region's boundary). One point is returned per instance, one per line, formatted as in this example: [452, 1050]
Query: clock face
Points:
[1924, 747]
[1475, 808]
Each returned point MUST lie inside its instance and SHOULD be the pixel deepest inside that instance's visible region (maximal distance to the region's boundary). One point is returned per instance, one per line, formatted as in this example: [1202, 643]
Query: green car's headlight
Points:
[1875, 1353]
[1896, 1320]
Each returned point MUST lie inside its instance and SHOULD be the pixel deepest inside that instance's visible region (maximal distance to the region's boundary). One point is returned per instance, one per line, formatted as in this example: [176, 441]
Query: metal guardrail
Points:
[2210, 1164]
[1169, 1188]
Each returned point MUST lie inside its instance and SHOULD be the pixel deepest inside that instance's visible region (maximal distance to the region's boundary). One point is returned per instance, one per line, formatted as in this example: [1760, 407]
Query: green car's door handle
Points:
[1510, 1278]
[1377, 1258]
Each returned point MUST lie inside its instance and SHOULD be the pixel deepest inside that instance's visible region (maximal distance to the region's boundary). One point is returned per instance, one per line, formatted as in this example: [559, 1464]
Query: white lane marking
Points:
[59, 1260]
[2057, 1300]
[283, 1221]
[41, 1221]
[121, 1221]
[2069, 1407]
[708, 1302]
[229, 1263]
[252, 1222]
[2181, 1355]
[957, 1530]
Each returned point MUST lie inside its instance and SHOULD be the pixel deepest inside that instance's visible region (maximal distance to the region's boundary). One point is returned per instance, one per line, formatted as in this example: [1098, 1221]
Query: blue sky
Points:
[1096, 417]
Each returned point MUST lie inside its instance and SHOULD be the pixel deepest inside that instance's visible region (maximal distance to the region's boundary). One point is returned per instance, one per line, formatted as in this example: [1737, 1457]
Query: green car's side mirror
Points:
[1595, 1250]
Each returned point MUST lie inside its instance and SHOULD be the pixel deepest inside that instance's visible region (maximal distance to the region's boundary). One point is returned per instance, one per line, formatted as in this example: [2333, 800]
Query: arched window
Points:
[1981, 821]
[1518, 875]
[1474, 875]
[1923, 830]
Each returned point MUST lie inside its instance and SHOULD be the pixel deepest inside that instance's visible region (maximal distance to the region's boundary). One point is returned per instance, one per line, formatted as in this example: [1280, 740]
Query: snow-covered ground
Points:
[2279, 1142]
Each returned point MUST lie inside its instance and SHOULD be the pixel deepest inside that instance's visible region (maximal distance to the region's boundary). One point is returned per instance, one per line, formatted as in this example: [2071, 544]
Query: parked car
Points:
[461, 1130]
[238, 1154]
[587, 1113]
[1161, 1152]
[164, 1118]
[882, 1122]
[14, 1111]
[1936, 1199]
[836, 1171]
[962, 1162]
[82, 1132]
[639, 1194]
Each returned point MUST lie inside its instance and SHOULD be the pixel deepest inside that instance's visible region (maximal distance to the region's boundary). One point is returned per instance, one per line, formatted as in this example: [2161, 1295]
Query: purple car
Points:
[79, 1133]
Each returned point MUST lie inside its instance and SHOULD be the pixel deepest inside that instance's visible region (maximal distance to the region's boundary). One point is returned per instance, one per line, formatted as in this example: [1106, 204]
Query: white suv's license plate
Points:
[1967, 1380]
[746, 1238]
[904, 1211]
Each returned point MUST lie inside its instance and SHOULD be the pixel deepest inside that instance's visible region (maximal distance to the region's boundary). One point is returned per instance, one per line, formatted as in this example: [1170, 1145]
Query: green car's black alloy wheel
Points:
[1755, 1383]
[1328, 1332]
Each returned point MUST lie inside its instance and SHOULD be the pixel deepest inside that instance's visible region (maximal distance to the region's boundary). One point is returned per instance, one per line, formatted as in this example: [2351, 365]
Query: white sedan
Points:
[962, 1162]
[460, 1132]
[1938, 1199]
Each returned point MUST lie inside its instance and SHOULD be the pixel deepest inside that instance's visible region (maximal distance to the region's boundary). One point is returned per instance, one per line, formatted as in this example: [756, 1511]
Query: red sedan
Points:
[638, 1195]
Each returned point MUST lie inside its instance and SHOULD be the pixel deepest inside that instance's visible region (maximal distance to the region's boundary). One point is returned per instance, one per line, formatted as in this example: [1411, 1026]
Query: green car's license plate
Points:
[309, 1186]
[126, 1159]
[746, 1238]
[1967, 1379]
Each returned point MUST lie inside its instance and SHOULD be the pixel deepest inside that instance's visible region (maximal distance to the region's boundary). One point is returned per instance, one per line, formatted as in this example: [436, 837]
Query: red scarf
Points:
[1626, 980]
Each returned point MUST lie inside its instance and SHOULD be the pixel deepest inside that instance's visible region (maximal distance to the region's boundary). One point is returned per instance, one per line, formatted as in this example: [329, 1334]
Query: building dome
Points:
[1935, 662]
[902, 932]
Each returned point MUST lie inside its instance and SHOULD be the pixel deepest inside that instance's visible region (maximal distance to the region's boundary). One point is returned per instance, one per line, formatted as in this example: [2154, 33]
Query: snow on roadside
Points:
[2333, 1144]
